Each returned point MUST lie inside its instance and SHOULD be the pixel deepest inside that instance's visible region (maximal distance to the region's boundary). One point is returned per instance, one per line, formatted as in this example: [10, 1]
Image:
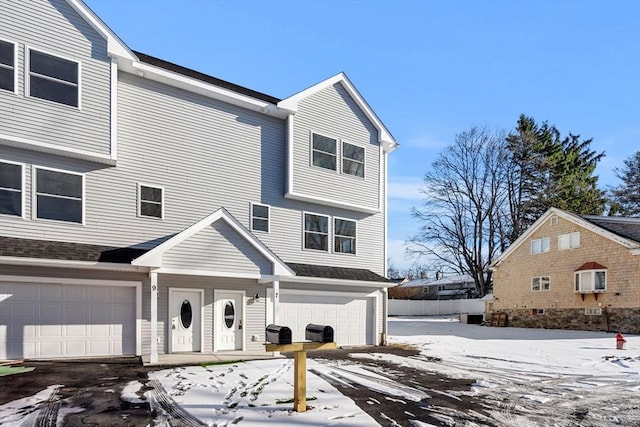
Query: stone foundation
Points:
[625, 320]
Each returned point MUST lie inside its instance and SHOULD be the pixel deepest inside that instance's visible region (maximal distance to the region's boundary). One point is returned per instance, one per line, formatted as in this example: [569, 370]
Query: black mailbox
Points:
[318, 333]
[278, 334]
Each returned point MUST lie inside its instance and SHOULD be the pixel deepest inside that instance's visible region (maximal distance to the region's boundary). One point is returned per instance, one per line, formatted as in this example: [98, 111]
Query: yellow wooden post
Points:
[299, 350]
[300, 381]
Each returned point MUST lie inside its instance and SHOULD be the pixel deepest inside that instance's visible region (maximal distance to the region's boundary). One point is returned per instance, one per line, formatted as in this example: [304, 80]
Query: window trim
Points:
[304, 231]
[542, 239]
[15, 66]
[268, 218]
[334, 235]
[27, 76]
[23, 181]
[312, 150]
[139, 204]
[540, 278]
[364, 161]
[568, 236]
[34, 194]
[578, 286]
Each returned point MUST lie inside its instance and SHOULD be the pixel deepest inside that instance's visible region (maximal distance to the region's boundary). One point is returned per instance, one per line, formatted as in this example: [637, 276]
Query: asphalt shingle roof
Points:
[151, 60]
[625, 227]
[310, 270]
[29, 248]
[46, 249]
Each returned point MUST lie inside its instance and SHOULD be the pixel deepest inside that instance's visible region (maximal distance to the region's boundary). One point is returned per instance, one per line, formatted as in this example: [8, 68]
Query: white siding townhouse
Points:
[147, 209]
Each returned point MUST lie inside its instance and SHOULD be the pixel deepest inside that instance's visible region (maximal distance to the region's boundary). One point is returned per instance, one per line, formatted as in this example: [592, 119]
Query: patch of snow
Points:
[129, 392]
[23, 412]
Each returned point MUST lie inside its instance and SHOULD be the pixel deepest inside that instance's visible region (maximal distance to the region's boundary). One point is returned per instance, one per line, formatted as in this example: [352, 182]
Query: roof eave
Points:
[385, 139]
[115, 46]
[64, 263]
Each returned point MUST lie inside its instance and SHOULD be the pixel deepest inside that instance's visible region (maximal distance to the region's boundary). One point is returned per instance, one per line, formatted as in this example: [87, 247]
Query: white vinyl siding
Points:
[59, 195]
[569, 241]
[260, 217]
[11, 189]
[591, 281]
[57, 29]
[540, 245]
[198, 178]
[150, 201]
[53, 78]
[218, 248]
[332, 112]
[542, 283]
[8, 66]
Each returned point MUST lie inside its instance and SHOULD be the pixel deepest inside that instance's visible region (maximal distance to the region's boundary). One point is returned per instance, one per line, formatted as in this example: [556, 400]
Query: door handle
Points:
[173, 324]
[240, 324]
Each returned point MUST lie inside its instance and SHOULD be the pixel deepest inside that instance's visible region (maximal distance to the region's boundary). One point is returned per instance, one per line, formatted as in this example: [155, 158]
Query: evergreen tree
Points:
[626, 197]
[545, 170]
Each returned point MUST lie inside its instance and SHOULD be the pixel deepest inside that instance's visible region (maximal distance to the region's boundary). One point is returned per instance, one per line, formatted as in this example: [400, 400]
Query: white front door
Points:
[229, 320]
[184, 312]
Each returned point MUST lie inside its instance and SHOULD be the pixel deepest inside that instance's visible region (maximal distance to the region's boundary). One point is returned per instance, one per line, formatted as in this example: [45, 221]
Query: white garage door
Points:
[352, 319]
[54, 320]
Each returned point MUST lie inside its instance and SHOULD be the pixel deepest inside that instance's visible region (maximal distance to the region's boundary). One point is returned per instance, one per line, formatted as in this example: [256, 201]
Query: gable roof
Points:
[115, 46]
[384, 136]
[153, 258]
[593, 223]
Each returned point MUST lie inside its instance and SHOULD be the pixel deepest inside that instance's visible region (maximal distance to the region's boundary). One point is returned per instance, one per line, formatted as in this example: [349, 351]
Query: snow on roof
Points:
[416, 283]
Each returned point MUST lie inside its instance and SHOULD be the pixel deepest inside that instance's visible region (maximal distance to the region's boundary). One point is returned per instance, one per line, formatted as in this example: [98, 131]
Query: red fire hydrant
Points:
[620, 341]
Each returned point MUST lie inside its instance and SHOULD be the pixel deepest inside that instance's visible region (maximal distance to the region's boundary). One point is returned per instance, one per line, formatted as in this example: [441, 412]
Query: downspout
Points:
[385, 292]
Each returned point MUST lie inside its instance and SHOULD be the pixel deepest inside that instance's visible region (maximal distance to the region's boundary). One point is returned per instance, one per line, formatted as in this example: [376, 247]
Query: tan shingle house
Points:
[572, 272]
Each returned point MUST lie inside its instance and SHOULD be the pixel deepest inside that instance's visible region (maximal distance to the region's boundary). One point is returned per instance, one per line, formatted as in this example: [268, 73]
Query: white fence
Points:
[404, 307]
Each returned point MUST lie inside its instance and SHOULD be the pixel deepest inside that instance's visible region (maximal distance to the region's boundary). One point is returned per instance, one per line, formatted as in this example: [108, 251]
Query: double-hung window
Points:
[59, 195]
[150, 201]
[11, 188]
[539, 246]
[344, 236]
[569, 241]
[53, 78]
[542, 283]
[316, 232]
[591, 280]
[352, 159]
[260, 217]
[324, 152]
[7, 66]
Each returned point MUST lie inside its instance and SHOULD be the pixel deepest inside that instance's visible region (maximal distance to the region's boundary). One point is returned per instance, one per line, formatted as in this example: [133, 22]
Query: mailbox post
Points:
[319, 334]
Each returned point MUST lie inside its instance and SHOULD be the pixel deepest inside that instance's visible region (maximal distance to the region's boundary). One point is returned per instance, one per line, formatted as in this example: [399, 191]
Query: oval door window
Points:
[229, 314]
[186, 314]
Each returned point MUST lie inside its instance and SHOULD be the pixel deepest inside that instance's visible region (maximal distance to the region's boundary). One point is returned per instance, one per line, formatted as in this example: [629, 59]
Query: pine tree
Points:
[546, 170]
[626, 196]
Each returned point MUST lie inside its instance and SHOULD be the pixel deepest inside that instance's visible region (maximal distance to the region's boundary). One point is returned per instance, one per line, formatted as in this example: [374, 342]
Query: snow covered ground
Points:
[533, 377]
[519, 377]
[524, 377]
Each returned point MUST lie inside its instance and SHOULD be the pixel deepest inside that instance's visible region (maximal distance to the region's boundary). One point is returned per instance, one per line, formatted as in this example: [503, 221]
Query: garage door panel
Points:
[22, 311]
[348, 316]
[76, 331]
[50, 311]
[57, 320]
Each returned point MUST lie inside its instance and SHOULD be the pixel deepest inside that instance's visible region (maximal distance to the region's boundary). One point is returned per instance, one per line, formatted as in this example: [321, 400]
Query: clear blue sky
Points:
[430, 69]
